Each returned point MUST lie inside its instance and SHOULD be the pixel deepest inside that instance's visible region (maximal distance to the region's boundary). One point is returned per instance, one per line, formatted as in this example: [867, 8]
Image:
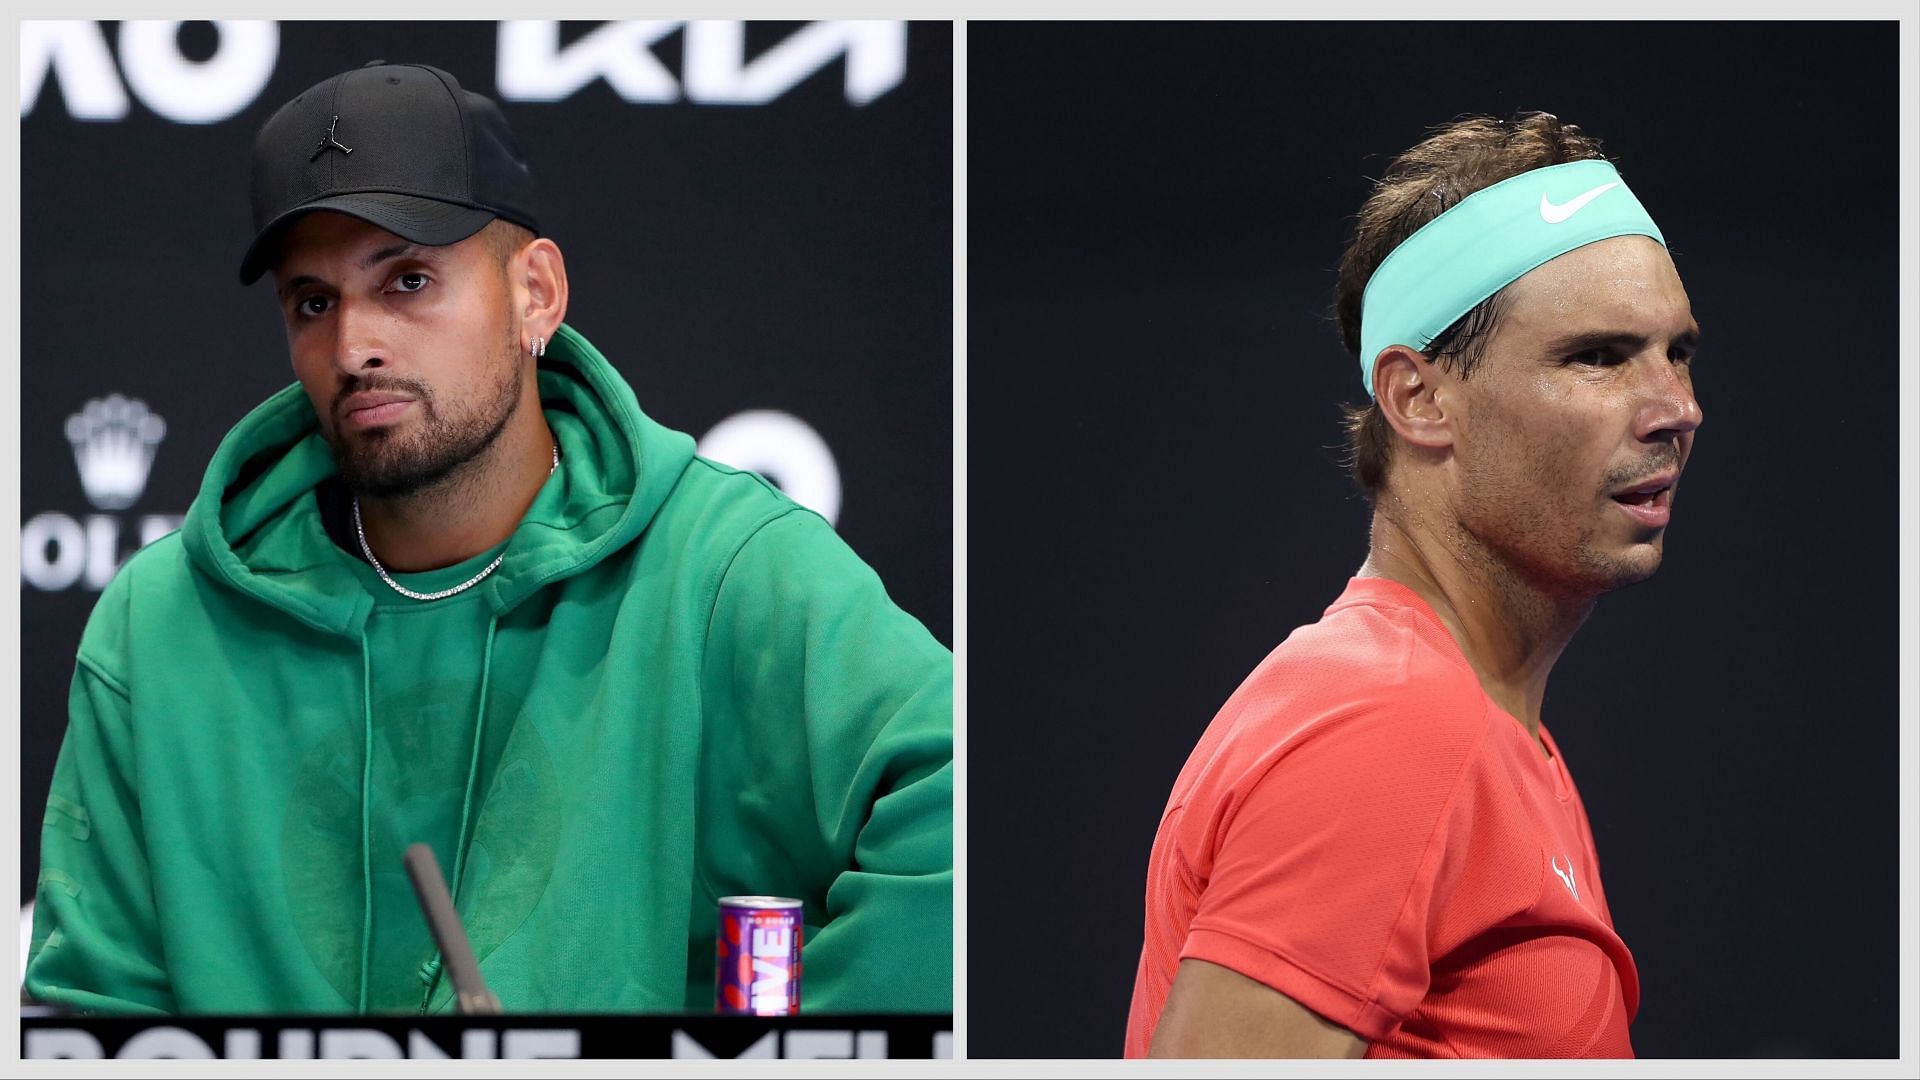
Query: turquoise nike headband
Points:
[1484, 243]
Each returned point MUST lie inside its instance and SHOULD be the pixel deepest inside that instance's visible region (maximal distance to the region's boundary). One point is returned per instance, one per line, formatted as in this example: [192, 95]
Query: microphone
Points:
[470, 991]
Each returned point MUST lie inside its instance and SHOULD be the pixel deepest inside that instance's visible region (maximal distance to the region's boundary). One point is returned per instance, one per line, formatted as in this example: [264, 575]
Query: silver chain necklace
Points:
[443, 593]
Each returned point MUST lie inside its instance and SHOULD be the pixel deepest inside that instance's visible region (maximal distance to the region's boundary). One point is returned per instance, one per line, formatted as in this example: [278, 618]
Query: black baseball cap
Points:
[398, 145]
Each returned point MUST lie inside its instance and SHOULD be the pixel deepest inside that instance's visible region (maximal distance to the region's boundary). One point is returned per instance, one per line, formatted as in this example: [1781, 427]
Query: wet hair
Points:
[1454, 161]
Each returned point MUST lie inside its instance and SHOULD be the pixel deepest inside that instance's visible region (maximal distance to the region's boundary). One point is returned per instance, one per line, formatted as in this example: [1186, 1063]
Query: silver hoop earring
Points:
[538, 348]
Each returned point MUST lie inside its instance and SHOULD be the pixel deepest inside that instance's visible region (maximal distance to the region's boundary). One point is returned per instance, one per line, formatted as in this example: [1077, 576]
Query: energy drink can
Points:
[757, 971]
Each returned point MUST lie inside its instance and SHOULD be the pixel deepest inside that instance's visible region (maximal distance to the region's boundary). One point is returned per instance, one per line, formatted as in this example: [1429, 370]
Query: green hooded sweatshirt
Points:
[678, 685]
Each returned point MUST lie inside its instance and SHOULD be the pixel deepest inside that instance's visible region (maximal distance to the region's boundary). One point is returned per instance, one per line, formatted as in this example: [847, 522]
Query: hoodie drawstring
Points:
[366, 815]
[430, 971]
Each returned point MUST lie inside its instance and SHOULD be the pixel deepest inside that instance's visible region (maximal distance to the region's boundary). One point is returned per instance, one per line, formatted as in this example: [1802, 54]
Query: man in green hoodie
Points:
[456, 588]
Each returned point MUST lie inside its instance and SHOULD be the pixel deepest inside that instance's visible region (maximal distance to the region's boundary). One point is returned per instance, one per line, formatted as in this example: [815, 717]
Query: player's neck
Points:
[1511, 631]
[472, 509]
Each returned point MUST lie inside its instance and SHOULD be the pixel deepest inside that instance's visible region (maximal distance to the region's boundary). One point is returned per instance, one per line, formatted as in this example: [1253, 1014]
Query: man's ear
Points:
[539, 282]
[1414, 396]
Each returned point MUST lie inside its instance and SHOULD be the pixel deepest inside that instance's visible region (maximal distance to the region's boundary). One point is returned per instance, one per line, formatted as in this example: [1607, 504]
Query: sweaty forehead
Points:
[1626, 283]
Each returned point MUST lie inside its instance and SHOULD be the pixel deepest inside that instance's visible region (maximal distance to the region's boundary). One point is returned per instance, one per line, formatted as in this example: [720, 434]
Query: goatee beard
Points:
[384, 464]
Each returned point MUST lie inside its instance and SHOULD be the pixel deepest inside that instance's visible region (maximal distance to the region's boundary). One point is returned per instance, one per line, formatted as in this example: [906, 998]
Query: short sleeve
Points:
[1321, 870]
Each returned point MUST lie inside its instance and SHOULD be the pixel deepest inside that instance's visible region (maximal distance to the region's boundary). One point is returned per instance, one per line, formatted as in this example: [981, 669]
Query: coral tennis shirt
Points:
[1362, 829]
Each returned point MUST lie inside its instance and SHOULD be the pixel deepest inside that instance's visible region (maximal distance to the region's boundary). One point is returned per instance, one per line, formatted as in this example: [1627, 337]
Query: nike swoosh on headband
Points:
[1484, 242]
[1554, 215]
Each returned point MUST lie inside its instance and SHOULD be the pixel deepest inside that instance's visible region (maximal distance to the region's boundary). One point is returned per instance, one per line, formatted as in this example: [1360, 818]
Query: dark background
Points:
[794, 255]
[1155, 212]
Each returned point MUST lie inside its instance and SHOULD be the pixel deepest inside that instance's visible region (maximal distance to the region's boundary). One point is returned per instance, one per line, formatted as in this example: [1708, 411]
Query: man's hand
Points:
[1216, 1012]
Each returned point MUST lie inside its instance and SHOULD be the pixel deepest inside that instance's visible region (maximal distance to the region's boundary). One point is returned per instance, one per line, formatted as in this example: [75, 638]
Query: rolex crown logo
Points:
[114, 440]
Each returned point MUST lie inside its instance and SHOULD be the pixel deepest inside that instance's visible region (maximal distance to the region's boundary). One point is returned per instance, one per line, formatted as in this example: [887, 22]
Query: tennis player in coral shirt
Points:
[1376, 848]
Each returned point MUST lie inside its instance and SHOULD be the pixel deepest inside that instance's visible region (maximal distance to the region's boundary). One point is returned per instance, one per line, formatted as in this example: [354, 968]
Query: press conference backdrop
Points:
[1155, 214]
[757, 221]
